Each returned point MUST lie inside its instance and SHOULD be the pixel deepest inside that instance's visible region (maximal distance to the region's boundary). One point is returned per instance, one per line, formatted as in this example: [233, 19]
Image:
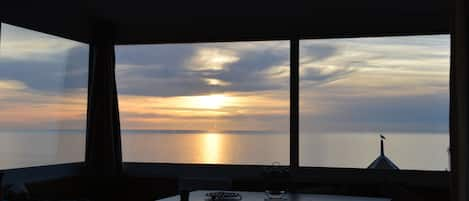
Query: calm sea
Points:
[34, 148]
[421, 151]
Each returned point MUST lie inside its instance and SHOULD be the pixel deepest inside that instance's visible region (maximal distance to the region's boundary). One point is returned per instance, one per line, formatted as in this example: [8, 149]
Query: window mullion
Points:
[294, 102]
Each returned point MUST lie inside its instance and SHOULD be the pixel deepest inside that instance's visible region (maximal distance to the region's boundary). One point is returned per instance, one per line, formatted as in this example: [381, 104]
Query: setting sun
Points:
[210, 101]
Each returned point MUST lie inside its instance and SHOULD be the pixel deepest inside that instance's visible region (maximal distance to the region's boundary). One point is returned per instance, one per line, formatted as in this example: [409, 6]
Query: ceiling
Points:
[145, 21]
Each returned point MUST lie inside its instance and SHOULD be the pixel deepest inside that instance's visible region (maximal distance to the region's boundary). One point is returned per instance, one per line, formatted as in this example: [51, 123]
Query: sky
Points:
[391, 84]
[43, 81]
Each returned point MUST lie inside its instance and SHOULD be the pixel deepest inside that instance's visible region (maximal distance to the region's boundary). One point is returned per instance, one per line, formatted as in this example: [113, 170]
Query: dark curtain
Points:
[459, 89]
[103, 160]
[1, 181]
[103, 142]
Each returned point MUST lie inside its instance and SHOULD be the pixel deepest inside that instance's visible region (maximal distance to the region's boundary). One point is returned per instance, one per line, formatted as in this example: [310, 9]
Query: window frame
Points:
[289, 41]
[299, 174]
[433, 178]
[61, 168]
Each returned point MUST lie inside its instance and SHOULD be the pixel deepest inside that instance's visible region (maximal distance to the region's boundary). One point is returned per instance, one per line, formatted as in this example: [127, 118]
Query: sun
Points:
[215, 101]
[209, 103]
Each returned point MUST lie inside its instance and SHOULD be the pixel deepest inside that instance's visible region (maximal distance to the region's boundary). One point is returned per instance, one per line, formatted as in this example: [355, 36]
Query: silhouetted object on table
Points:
[223, 196]
[276, 178]
[383, 162]
[188, 184]
[184, 194]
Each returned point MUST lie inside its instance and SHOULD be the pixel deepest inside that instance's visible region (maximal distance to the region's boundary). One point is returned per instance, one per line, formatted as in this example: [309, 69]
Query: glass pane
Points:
[217, 103]
[354, 90]
[43, 95]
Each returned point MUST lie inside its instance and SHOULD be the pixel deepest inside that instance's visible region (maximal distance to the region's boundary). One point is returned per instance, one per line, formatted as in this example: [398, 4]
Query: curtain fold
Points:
[103, 151]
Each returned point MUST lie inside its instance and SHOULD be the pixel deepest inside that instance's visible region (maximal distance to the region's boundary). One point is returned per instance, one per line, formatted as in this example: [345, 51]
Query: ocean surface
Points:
[36, 148]
[416, 151]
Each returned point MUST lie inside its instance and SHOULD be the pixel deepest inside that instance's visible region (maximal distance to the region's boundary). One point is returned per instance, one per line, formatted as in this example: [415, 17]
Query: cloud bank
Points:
[396, 84]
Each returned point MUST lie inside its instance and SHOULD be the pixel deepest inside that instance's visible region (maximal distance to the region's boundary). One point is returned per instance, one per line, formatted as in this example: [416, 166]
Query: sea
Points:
[412, 151]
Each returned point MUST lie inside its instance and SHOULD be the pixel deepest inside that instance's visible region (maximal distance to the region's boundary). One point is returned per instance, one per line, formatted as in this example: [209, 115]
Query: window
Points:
[213, 103]
[43, 97]
[353, 90]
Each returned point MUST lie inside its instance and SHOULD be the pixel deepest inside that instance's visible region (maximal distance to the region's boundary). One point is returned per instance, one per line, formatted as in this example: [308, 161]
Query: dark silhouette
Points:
[383, 162]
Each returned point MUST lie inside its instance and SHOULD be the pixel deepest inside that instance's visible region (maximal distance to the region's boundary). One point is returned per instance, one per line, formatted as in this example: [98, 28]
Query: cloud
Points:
[318, 76]
[365, 84]
[317, 52]
[43, 80]
[196, 69]
[212, 59]
[23, 108]
[66, 72]
[317, 66]
[347, 85]
[11, 85]
[395, 84]
[250, 73]
[23, 44]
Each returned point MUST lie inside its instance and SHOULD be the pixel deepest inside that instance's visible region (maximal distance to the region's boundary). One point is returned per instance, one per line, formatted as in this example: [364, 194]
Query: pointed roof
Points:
[383, 162]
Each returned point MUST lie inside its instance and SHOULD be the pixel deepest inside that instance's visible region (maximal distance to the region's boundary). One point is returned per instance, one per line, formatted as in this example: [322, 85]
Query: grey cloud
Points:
[167, 55]
[76, 69]
[317, 52]
[317, 76]
[314, 75]
[163, 87]
[249, 73]
[158, 71]
[162, 61]
[163, 71]
[50, 75]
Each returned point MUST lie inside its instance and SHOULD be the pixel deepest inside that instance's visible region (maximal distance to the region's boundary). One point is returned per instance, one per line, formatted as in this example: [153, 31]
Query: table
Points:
[260, 196]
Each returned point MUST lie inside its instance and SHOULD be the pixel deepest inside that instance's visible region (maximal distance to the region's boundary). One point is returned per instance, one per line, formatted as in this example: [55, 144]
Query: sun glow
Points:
[215, 101]
[216, 82]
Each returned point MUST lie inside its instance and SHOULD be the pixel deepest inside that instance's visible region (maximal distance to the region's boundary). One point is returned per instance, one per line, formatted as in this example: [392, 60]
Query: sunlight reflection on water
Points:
[408, 151]
[212, 143]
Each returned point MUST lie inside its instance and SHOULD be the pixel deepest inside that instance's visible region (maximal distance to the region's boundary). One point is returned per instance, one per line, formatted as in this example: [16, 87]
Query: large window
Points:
[353, 90]
[43, 90]
[228, 103]
[216, 103]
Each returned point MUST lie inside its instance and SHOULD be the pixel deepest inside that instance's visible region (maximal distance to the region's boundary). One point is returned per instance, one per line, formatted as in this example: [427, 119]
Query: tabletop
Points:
[261, 196]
